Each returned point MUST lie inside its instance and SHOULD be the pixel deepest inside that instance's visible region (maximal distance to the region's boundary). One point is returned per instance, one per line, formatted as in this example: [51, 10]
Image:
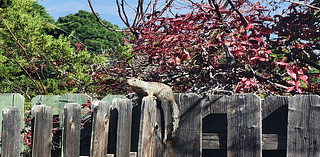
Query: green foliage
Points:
[39, 9]
[97, 38]
[5, 3]
[33, 63]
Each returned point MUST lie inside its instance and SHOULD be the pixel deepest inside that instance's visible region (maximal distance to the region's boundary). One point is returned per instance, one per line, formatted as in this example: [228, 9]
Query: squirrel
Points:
[161, 92]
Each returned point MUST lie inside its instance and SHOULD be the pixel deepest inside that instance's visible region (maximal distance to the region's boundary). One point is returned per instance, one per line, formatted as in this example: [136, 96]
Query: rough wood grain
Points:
[146, 145]
[214, 122]
[71, 132]
[14, 100]
[272, 103]
[304, 126]
[124, 110]
[275, 119]
[269, 141]
[244, 126]
[214, 104]
[100, 128]
[11, 132]
[189, 134]
[42, 130]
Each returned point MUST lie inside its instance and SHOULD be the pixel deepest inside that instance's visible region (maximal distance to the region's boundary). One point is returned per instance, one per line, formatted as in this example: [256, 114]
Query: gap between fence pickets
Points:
[132, 154]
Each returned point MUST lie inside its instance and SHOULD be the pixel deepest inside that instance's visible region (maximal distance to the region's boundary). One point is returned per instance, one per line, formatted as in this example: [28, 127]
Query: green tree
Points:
[32, 62]
[39, 9]
[87, 30]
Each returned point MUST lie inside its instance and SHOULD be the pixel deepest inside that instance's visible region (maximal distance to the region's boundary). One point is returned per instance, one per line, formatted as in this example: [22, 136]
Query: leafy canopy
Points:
[87, 30]
[32, 62]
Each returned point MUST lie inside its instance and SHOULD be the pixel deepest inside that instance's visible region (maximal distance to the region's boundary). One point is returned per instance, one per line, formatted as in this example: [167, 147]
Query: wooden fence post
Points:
[12, 100]
[124, 110]
[11, 132]
[71, 132]
[188, 140]
[303, 126]
[100, 128]
[42, 130]
[244, 126]
[274, 123]
[146, 146]
[214, 125]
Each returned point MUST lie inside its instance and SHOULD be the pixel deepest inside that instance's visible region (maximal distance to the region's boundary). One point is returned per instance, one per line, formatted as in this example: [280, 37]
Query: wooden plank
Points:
[71, 132]
[124, 110]
[214, 122]
[211, 141]
[244, 126]
[42, 130]
[132, 154]
[303, 126]
[214, 104]
[83, 100]
[49, 100]
[275, 119]
[189, 134]
[11, 132]
[146, 145]
[272, 103]
[269, 141]
[14, 100]
[109, 98]
[100, 128]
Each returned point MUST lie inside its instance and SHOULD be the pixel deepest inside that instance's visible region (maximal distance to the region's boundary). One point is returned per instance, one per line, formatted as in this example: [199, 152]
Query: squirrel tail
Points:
[175, 117]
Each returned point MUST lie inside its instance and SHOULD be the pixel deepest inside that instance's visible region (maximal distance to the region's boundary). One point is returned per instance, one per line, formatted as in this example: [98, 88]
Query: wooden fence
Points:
[240, 125]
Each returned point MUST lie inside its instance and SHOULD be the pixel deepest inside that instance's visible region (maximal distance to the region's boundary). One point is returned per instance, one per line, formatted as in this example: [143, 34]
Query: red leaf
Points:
[259, 39]
[290, 89]
[250, 25]
[304, 78]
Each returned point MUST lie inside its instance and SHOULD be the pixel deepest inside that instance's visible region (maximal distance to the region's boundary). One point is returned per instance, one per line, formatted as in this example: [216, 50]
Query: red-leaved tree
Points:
[226, 46]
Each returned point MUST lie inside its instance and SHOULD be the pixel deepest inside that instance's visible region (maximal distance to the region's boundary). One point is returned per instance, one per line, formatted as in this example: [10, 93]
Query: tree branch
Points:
[26, 54]
[214, 4]
[94, 13]
[234, 8]
[13, 58]
[310, 6]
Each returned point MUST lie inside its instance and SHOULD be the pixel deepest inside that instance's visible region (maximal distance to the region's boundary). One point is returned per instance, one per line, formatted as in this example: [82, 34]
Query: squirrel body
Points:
[161, 92]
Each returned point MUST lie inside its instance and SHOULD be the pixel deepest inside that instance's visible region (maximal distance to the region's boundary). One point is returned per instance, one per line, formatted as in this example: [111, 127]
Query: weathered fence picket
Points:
[11, 132]
[239, 125]
[123, 108]
[100, 128]
[42, 126]
[12, 100]
[244, 126]
[188, 143]
[148, 127]
[303, 126]
[71, 133]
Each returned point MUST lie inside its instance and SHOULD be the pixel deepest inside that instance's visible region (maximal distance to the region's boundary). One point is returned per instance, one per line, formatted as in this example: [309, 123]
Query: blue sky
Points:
[107, 9]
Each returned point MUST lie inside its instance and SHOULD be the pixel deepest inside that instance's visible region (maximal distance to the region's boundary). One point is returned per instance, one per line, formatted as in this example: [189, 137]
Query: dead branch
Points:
[28, 58]
[94, 13]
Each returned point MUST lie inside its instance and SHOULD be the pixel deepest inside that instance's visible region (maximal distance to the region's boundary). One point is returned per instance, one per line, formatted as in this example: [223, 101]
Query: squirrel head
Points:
[134, 82]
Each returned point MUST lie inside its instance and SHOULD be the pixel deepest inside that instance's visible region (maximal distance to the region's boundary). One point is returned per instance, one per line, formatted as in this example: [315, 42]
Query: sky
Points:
[107, 9]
